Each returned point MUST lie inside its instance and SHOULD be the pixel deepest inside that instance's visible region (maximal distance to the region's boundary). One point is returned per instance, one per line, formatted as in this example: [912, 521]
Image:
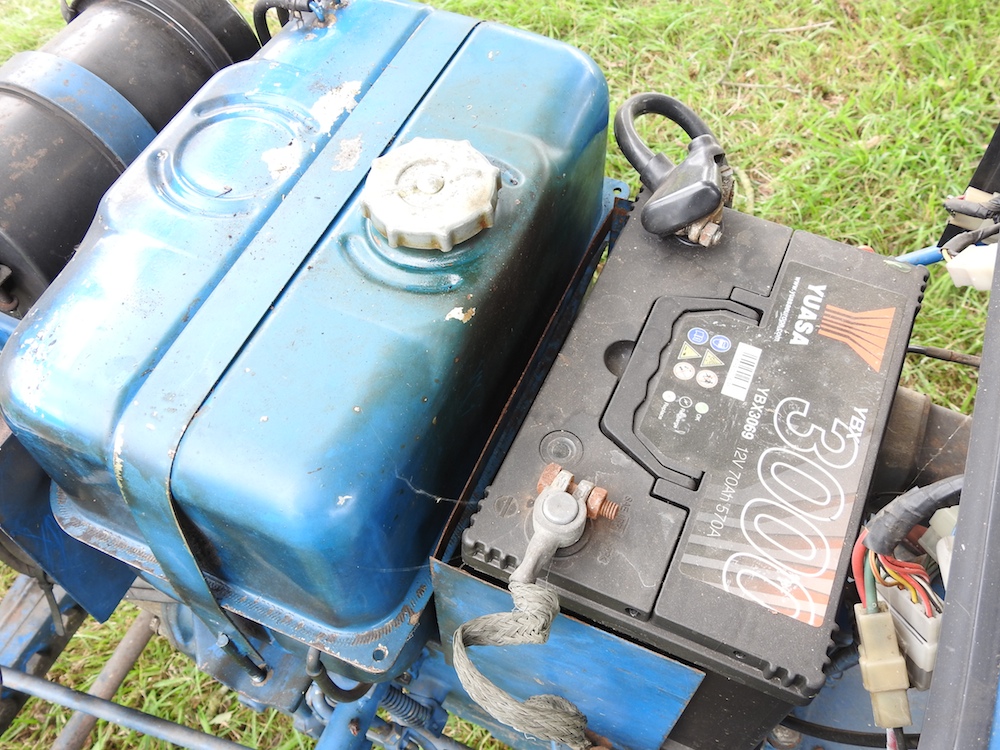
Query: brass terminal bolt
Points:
[548, 476]
[598, 505]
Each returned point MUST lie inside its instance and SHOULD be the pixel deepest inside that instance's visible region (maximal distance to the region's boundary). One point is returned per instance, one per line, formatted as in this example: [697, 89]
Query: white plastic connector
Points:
[974, 266]
[974, 195]
[939, 539]
[917, 634]
[943, 550]
[883, 668]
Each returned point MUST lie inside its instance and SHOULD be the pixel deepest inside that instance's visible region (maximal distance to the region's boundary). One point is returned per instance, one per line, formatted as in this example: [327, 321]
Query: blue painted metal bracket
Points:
[64, 86]
[630, 695]
[156, 420]
[348, 725]
[95, 580]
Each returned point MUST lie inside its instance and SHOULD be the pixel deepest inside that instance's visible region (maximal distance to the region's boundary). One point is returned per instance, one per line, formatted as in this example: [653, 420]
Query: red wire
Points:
[914, 537]
[928, 607]
[900, 566]
[858, 566]
[909, 571]
[906, 570]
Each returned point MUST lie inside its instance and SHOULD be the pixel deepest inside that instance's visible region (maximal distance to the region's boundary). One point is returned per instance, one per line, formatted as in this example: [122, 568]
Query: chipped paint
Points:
[329, 107]
[341, 499]
[33, 364]
[281, 161]
[460, 314]
[348, 154]
[116, 460]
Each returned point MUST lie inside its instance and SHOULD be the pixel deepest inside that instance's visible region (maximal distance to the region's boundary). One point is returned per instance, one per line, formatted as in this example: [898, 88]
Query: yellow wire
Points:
[905, 584]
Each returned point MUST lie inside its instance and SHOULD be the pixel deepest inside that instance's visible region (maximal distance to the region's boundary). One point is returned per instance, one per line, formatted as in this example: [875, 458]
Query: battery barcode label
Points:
[741, 372]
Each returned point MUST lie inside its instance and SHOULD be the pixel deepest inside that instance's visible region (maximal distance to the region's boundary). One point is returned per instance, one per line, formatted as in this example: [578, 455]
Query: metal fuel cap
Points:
[431, 193]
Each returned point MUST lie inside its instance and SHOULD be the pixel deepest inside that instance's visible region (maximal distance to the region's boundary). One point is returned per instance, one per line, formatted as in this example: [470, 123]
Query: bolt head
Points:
[783, 738]
[710, 235]
[594, 502]
[260, 679]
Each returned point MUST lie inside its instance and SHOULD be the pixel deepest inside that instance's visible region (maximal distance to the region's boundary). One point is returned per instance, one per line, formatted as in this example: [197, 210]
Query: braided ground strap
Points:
[546, 716]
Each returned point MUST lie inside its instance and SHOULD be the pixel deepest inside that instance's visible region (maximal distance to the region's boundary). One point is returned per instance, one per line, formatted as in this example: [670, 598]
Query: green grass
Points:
[847, 118]
[164, 683]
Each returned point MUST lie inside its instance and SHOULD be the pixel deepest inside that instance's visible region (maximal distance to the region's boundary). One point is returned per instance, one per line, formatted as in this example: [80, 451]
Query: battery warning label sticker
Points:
[782, 437]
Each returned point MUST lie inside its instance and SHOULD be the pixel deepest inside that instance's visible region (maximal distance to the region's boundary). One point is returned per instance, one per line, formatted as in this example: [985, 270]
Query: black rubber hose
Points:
[261, 7]
[842, 659]
[337, 694]
[635, 150]
[843, 736]
[891, 524]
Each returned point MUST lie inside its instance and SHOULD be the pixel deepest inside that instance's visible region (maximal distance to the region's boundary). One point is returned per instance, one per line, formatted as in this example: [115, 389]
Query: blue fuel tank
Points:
[240, 388]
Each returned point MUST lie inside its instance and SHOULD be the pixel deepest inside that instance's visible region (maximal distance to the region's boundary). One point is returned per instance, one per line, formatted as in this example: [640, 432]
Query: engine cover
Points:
[731, 400]
[240, 388]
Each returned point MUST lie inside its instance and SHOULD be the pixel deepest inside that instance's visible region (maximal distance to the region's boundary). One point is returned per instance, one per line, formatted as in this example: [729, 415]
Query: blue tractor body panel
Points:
[626, 691]
[240, 389]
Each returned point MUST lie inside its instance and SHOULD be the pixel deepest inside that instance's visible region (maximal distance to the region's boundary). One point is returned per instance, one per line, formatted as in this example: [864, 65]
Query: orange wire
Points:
[909, 568]
[878, 570]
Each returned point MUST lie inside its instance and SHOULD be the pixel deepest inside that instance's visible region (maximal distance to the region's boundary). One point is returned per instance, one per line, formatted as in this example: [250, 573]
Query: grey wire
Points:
[549, 717]
[959, 242]
[988, 210]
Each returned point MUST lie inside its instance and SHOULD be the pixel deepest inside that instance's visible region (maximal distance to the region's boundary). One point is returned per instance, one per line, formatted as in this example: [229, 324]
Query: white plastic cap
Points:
[431, 193]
